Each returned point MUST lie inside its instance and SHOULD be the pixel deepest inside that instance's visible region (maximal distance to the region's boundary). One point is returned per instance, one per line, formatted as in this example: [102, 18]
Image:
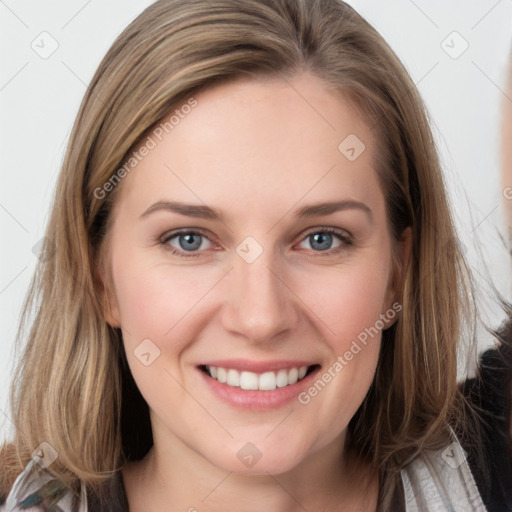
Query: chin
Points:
[252, 461]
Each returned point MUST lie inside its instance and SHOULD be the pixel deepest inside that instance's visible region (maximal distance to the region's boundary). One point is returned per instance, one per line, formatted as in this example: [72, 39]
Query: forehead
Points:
[256, 142]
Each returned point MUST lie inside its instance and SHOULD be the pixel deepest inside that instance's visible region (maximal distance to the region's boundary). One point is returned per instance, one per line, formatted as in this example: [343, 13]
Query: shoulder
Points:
[36, 486]
[489, 394]
[490, 388]
[441, 480]
[10, 468]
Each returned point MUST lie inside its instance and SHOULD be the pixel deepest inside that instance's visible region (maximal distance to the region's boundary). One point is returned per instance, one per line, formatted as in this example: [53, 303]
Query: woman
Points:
[194, 345]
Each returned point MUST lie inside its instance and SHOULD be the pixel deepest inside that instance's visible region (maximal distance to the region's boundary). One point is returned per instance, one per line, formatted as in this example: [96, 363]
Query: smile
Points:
[267, 381]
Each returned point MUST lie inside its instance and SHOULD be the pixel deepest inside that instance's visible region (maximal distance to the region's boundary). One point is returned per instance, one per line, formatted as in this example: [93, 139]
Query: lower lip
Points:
[254, 399]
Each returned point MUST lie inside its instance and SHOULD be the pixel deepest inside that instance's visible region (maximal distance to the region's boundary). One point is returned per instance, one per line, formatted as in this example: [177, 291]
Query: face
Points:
[222, 262]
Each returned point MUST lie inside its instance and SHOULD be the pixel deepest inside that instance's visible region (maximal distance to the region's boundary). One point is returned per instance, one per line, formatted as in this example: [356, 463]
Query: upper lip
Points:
[257, 366]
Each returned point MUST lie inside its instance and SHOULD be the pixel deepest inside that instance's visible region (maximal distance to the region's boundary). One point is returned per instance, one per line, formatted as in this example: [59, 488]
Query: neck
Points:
[330, 479]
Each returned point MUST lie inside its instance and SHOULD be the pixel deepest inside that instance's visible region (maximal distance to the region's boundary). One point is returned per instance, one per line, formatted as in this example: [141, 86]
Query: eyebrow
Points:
[206, 212]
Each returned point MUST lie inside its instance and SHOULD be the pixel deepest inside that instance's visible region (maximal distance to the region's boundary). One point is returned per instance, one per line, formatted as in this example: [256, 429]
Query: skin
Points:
[257, 151]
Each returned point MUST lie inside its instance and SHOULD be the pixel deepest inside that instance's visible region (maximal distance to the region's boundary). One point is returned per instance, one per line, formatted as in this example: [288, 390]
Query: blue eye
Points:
[191, 243]
[321, 240]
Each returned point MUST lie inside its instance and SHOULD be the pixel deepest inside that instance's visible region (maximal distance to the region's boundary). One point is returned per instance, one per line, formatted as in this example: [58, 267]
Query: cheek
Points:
[161, 304]
[348, 300]
[155, 297]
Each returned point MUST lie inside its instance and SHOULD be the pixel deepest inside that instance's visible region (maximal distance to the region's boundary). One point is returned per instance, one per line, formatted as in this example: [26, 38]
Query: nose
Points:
[260, 304]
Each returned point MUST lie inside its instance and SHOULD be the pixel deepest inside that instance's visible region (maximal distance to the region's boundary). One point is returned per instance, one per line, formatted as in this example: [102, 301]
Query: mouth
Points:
[259, 381]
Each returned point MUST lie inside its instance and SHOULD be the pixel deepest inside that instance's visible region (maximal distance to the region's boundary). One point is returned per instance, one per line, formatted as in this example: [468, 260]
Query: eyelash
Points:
[344, 237]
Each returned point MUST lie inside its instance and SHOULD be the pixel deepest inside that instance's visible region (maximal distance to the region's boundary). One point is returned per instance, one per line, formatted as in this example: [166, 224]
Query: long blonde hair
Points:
[72, 385]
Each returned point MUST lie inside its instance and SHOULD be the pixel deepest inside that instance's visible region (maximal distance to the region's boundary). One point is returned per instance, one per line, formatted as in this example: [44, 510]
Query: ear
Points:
[401, 256]
[103, 280]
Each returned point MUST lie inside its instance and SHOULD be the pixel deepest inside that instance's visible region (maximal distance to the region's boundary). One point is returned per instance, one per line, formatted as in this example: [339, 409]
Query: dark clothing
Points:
[490, 394]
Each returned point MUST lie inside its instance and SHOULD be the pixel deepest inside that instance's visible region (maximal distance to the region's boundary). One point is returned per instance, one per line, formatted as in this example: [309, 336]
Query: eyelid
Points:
[164, 239]
[343, 233]
[344, 236]
[183, 231]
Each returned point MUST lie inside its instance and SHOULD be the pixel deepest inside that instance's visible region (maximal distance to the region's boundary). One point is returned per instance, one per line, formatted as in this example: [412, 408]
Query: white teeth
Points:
[233, 378]
[267, 381]
[282, 378]
[222, 375]
[293, 376]
[248, 380]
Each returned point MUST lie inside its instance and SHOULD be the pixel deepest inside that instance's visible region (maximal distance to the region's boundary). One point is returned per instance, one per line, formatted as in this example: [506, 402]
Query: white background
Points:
[39, 99]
